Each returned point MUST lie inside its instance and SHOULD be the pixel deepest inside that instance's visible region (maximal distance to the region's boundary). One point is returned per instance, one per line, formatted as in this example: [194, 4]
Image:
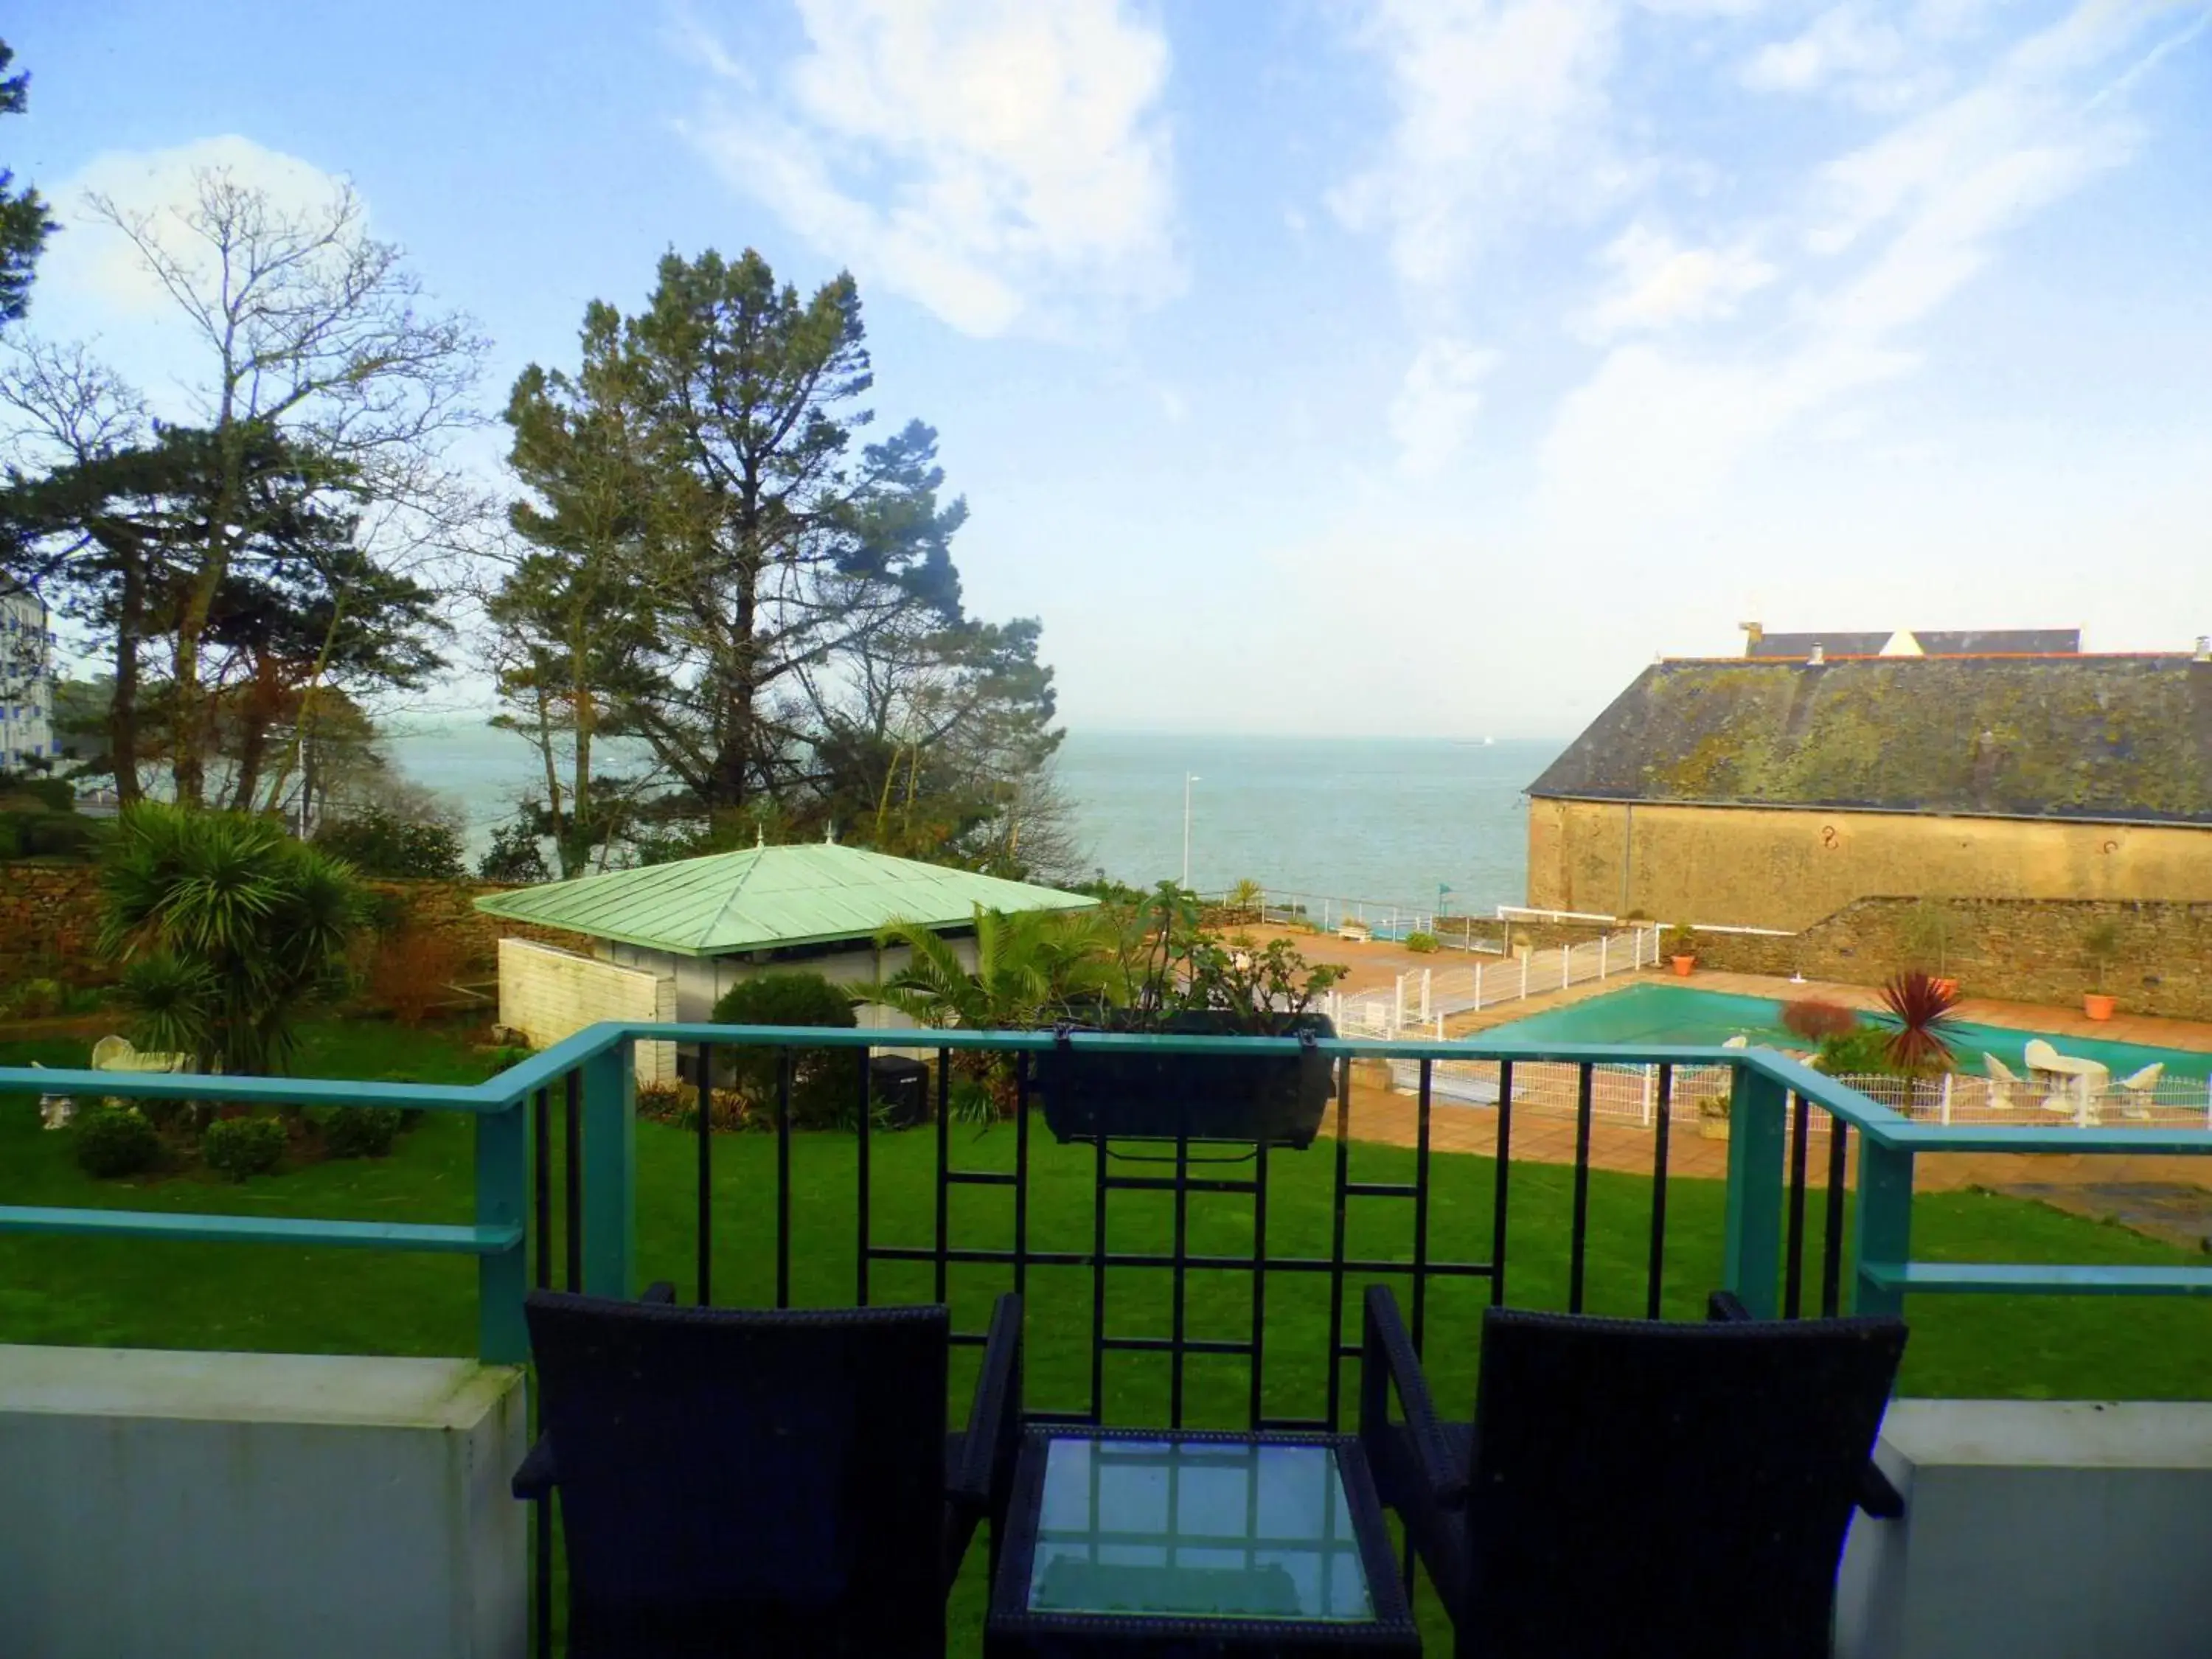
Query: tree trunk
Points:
[123, 708]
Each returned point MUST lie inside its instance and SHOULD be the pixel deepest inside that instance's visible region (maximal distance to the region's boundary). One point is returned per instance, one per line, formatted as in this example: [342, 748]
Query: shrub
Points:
[678, 1104]
[1861, 1052]
[33, 999]
[821, 1077]
[115, 1140]
[411, 973]
[1421, 944]
[377, 842]
[515, 855]
[358, 1131]
[1681, 942]
[1816, 1020]
[243, 1146]
[506, 1054]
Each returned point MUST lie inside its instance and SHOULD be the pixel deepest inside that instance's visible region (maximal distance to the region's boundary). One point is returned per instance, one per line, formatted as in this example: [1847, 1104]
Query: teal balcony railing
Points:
[585, 1085]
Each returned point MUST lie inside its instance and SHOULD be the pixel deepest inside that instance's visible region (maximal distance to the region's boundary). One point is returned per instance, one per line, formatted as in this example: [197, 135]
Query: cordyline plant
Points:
[228, 932]
[1921, 1023]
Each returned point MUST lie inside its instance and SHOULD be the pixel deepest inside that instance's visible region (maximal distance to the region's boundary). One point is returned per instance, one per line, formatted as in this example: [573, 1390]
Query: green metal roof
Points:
[767, 897]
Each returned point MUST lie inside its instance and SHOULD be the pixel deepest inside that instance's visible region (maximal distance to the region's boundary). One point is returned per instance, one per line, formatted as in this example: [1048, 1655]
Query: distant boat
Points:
[1486, 742]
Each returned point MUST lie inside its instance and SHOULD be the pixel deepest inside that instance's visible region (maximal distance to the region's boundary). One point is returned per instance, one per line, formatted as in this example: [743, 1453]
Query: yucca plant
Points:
[228, 932]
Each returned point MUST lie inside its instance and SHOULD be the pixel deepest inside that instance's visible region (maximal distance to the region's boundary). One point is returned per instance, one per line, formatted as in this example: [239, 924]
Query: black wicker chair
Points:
[733, 1480]
[1632, 1487]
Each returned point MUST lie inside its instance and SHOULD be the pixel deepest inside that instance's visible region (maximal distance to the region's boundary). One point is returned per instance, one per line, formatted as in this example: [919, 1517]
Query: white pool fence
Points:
[1422, 998]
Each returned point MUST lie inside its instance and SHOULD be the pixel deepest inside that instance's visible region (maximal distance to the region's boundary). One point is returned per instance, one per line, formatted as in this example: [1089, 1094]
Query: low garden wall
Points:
[2016, 950]
[50, 921]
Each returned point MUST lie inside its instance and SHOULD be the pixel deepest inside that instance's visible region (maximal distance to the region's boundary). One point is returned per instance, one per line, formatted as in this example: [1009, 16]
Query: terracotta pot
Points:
[1949, 988]
[1682, 965]
[2097, 1004]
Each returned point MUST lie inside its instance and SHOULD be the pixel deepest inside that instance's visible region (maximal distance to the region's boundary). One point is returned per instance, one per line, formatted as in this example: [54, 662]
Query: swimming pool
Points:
[1676, 1013]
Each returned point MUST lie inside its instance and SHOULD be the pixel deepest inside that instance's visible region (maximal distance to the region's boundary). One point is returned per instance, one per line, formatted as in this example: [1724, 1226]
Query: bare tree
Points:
[312, 335]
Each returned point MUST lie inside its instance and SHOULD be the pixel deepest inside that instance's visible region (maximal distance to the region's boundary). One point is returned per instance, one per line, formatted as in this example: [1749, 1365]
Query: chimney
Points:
[2203, 648]
[1753, 634]
[1820, 655]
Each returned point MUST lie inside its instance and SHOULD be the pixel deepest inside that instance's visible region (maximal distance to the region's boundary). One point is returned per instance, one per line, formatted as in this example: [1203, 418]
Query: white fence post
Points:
[1947, 1098]
[1600, 955]
[1425, 972]
[1524, 974]
[1397, 1002]
[1566, 966]
[1478, 1008]
[1650, 1075]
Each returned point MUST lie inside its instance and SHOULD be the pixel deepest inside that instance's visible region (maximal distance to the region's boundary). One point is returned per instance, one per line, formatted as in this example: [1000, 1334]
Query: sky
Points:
[1411, 367]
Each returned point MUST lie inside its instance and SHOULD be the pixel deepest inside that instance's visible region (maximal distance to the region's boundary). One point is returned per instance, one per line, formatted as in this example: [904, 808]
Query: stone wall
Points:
[1764, 867]
[50, 921]
[2017, 950]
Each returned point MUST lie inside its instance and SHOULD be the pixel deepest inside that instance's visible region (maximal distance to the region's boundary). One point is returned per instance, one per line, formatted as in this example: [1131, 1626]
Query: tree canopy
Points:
[720, 567]
[24, 225]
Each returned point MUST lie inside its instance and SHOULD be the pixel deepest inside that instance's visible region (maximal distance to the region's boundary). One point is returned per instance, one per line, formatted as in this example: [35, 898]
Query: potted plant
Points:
[1713, 1114]
[1681, 949]
[1186, 982]
[2100, 944]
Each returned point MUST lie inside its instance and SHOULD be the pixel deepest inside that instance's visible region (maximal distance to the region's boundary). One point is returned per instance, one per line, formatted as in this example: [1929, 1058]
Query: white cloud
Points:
[1841, 44]
[1434, 413]
[1896, 228]
[1658, 283]
[93, 267]
[1501, 113]
[1004, 164]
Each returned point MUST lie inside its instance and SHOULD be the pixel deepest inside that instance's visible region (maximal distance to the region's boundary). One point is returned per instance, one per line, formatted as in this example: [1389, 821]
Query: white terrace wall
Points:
[259, 1506]
[548, 994]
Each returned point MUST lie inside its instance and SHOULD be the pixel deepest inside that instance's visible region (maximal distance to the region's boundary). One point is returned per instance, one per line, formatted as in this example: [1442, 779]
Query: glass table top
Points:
[1191, 1530]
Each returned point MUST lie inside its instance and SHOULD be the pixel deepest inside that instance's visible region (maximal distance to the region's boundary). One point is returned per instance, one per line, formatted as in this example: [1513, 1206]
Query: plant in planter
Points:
[2100, 944]
[1713, 1114]
[1186, 982]
[1681, 949]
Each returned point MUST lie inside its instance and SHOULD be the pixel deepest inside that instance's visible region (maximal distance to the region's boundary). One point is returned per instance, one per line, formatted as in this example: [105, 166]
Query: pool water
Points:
[1676, 1013]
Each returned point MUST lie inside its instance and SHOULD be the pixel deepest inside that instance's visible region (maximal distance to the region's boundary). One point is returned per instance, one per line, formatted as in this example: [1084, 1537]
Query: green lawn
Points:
[247, 1297]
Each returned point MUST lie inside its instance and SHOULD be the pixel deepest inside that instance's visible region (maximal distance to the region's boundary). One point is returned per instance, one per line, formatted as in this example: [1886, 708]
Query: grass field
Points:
[263, 1297]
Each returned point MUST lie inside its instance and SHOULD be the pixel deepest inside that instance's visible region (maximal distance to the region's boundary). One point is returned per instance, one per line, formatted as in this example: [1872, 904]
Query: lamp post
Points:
[1188, 779]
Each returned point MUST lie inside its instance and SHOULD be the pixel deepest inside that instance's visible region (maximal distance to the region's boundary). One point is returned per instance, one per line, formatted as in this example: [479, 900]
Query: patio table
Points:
[2074, 1079]
[1136, 1541]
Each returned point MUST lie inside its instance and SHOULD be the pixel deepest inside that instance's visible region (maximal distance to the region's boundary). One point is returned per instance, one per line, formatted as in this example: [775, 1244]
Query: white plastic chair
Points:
[2003, 1084]
[2141, 1089]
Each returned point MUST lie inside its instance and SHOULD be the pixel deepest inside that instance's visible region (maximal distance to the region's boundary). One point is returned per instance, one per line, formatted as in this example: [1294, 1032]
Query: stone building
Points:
[1771, 790]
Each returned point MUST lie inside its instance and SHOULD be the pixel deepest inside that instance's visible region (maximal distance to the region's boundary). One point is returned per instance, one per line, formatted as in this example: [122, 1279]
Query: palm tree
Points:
[228, 931]
[1032, 967]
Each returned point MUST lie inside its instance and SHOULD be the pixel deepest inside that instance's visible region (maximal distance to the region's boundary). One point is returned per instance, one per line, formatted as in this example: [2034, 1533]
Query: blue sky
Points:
[1411, 366]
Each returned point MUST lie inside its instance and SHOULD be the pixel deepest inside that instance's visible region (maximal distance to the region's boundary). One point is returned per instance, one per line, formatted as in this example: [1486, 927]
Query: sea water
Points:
[1388, 820]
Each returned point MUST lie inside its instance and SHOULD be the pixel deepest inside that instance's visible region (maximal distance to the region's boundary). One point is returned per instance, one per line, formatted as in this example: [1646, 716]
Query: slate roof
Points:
[762, 898]
[2102, 739]
[1934, 641]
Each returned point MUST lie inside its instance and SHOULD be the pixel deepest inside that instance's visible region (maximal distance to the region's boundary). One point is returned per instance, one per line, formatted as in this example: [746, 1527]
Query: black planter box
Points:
[1276, 1098]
